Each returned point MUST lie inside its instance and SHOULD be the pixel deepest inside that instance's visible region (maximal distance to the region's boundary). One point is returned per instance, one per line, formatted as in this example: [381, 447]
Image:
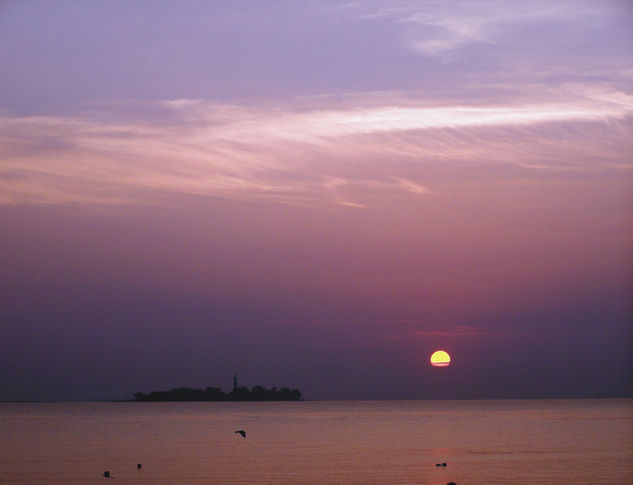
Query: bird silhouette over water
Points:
[242, 432]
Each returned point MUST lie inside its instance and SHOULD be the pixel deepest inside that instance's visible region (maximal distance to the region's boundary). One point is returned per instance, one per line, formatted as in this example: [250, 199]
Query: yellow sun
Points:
[440, 358]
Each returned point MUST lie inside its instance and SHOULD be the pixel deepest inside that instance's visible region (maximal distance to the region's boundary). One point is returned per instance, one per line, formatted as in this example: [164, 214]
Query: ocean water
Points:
[378, 442]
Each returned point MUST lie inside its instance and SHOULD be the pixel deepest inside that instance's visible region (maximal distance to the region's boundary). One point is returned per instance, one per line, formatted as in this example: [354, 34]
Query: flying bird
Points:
[242, 432]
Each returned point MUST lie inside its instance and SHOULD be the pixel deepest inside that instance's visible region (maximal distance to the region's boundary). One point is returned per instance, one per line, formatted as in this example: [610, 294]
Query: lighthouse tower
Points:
[234, 382]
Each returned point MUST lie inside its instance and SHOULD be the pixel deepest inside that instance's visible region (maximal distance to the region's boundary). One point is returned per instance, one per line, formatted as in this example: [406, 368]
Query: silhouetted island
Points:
[257, 393]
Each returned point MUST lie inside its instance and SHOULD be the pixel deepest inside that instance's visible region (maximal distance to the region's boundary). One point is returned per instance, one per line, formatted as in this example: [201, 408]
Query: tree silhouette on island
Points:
[239, 393]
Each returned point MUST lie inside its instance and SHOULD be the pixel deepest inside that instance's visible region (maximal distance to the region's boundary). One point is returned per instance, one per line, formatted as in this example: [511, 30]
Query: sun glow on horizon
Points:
[440, 358]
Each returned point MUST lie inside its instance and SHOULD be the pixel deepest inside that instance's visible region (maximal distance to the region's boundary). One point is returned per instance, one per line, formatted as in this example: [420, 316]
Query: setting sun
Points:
[440, 358]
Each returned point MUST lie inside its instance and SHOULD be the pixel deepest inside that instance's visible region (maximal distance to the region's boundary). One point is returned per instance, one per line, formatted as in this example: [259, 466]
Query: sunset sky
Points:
[316, 195]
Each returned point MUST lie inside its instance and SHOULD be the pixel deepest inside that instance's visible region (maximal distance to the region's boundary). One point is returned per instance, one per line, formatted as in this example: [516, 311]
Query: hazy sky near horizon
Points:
[316, 195]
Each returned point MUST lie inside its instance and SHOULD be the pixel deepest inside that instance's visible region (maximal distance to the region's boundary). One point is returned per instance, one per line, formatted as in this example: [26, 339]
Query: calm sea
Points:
[380, 442]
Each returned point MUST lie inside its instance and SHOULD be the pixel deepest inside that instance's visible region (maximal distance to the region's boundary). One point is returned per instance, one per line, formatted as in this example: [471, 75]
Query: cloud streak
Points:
[434, 29]
[335, 156]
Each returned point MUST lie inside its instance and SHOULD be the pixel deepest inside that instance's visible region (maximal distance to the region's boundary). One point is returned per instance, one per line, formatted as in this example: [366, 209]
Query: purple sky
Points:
[316, 195]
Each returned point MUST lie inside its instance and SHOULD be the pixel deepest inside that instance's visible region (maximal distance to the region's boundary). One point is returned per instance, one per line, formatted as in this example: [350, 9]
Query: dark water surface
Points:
[371, 442]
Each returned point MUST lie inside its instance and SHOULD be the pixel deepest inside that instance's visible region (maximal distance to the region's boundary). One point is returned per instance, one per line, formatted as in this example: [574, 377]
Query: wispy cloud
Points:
[465, 332]
[434, 28]
[424, 330]
[336, 155]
